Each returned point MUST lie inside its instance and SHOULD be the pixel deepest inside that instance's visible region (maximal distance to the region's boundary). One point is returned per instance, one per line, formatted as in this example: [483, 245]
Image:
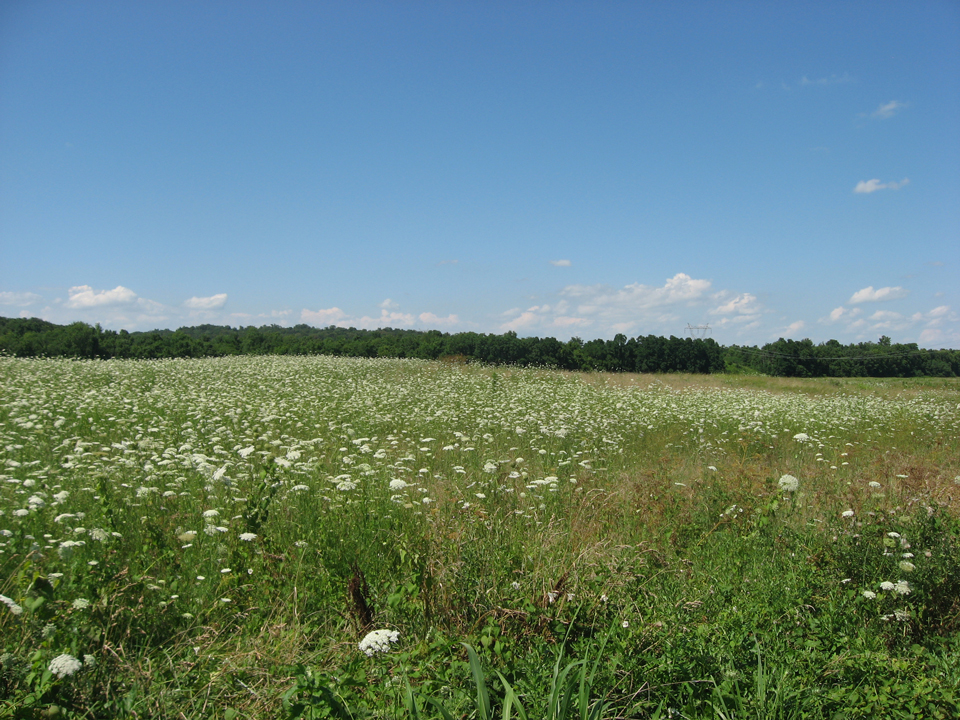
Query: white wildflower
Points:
[13, 607]
[67, 548]
[248, 537]
[378, 641]
[64, 665]
[847, 513]
[902, 588]
[788, 483]
[869, 594]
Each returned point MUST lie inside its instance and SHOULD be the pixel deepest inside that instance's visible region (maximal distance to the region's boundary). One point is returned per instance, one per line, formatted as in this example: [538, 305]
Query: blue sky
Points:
[554, 168]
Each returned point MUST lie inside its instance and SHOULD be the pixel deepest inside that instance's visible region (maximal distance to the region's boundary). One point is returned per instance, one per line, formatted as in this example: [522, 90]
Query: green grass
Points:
[213, 538]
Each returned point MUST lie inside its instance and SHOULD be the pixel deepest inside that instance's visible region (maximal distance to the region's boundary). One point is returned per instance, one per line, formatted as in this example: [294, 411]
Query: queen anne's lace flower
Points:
[788, 483]
[64, 665]
[378, 641]
[14, 608]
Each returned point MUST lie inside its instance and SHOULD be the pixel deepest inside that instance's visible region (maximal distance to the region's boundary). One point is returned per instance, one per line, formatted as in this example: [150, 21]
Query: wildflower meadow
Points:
[313, 537]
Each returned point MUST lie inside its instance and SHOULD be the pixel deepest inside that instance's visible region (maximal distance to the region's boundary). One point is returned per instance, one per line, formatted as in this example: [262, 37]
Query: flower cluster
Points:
[788, 483]
[378, 641]
[64, 665]
[14, 608]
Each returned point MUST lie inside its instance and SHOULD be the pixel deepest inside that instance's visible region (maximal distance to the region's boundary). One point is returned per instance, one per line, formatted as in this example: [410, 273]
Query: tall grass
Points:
[214, 538]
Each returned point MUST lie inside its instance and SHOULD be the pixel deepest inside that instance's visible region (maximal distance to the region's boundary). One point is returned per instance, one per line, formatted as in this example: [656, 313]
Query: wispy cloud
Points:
[885, 316]
[831, 80]
[390, 316]
[742, 304]
[322, 317]
[869, 186]
[888, 110]
[841, 313]
[681, 288]
[560, 263]
[430, 320]
[19, 299]
[206, 303]
[635, 308]
[868, 294]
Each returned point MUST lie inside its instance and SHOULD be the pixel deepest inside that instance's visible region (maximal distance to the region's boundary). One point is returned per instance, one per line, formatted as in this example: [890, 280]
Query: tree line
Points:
[647, 354]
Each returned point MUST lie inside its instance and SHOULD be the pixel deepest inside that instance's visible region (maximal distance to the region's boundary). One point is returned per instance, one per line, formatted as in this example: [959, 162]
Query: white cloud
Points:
[648, 308]
[868, 294]
[390, 316]
[870, 186]
[83, 296]
[322, 318]
[525, 321]
[206, 303]
[888, 109]
[19, 299]
[679, 289]
[545, 317]
[386, 319]
[841, 313]
[832, 80]
[560, 263]
[742, 304]
[885, 316]
[430, 320]
[795, 327]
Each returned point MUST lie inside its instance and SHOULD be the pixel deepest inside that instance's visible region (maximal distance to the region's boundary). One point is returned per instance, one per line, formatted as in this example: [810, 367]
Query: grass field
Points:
[217, 538]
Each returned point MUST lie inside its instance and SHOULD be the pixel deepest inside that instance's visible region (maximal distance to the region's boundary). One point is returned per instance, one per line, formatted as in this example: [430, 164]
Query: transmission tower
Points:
[698, 331]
